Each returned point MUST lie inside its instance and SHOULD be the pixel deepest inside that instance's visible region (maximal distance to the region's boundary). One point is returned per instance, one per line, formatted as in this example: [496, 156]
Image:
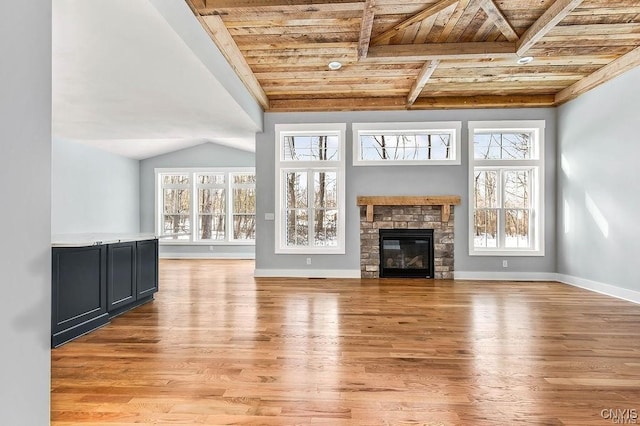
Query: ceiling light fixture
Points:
[335, 65]
[524, 60]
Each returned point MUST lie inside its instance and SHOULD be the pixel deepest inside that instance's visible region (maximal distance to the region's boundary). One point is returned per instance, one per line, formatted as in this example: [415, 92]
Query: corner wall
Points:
[93, 190]
[205, 155]
[598, 203]
[400, 180]
[25, 173]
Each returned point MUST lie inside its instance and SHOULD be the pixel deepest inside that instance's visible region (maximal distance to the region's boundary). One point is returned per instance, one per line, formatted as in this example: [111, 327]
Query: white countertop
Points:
[92, 239]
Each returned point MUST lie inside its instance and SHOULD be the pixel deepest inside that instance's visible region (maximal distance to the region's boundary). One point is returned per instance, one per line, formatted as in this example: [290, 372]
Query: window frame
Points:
[452, 127]
[194, 186]
[283, 166]
[537, 186]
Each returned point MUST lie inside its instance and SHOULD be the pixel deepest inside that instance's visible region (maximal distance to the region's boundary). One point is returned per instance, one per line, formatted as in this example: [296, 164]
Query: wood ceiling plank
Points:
[213, 4]
[604, 74]
[496, 16]
[424, 14]
[453, 19]
[365, 29]
[221, 37]
[425, 28]
[425, 73]
[556, 13]
[464, 22]
[430, 51]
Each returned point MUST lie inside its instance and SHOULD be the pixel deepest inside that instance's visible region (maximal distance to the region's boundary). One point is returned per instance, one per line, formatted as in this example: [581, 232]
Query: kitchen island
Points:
[98, 276]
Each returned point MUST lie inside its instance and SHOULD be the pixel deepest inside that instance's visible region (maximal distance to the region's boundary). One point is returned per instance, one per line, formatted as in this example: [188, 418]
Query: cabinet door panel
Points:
[147, 258]
[78, 288]
[121, 275]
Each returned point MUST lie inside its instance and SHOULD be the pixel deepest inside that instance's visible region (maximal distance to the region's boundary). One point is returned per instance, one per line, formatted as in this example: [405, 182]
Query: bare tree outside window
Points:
[311, 192]
[502, 194]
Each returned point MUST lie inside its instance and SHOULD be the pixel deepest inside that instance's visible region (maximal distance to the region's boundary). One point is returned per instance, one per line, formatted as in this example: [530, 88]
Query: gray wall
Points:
[92, 190]
[205, 155]
[599, 147]
[403, 180]
[25, 172]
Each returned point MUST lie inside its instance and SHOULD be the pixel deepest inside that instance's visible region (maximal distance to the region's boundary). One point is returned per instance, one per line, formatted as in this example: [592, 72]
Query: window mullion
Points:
[501, 212]
[228, 213]
[311, 211]
[194, 216]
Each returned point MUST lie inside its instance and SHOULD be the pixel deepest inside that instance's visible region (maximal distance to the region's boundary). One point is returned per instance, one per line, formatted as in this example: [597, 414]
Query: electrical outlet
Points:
[505, 264]
[210, 248]
[308, 261]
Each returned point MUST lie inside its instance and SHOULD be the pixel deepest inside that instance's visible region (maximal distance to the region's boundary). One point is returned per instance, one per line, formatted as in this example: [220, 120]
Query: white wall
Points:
[92, 190]
[25, 257]
[598, 201]
[205, 155]
[402, 180]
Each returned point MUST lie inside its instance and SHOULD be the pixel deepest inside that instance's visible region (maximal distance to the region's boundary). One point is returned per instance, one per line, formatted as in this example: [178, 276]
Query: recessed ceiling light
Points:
[335, 65]
[525, 60]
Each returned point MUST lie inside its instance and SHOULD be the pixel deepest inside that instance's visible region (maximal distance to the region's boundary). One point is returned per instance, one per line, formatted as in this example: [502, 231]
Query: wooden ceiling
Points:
[422, 54]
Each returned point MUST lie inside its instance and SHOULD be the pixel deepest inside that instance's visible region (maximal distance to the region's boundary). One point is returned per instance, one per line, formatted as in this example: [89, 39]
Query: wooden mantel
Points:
[446, 201]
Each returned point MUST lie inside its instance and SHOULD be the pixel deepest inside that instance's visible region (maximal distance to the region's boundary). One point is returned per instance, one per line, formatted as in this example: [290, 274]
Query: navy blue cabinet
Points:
[92, 284]
[79, 291]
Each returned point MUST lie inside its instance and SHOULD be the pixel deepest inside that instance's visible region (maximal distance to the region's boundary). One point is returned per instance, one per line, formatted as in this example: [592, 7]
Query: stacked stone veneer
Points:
[406, 217]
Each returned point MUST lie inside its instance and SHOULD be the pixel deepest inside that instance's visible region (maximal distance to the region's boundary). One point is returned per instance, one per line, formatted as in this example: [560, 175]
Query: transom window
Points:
[206, 205]
[406, 143]
[310, 182]
[506, 188]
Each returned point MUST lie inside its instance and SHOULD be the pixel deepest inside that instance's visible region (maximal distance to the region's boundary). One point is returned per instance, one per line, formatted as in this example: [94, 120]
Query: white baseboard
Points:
[307, 273]
[212, 255]
[602, 288]
[504, 276]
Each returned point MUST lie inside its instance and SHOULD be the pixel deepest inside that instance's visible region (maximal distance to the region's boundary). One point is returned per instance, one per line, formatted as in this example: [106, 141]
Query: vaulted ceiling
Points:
[417, 54]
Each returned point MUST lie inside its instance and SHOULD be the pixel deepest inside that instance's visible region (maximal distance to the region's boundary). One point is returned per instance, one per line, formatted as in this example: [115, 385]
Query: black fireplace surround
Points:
[406, 253]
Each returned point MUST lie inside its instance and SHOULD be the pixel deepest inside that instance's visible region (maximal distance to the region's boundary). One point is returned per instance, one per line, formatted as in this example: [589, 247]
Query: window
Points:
[435, 143]
[310, 181]
[206, 205]
[506, 168]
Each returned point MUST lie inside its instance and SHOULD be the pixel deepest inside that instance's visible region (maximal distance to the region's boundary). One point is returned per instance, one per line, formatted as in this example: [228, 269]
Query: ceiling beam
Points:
[613, 69]
[365, 29]
[496, 16]
[484, 101]
[420, 16]
[549, 19]
[227, 4]
[221, 37]
[421, 81]
[404, 53]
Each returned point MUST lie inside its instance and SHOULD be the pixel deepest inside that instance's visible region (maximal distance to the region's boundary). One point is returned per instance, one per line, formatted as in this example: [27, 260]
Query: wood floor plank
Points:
[218, 346]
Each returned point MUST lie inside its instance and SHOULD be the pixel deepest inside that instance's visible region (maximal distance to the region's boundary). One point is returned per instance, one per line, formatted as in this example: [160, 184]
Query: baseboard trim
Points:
[307, 273]
[504, 276]
[212, 255]
[602, 288]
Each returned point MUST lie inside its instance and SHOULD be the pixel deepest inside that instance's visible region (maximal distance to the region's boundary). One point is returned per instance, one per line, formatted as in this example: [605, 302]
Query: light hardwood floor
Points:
[220, 347]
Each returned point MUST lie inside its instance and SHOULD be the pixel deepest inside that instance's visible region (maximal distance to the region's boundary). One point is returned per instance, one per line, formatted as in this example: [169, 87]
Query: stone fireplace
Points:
[405, 213]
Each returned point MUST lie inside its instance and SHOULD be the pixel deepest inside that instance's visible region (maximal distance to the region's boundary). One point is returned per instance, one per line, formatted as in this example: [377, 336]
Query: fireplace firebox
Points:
[406, 253]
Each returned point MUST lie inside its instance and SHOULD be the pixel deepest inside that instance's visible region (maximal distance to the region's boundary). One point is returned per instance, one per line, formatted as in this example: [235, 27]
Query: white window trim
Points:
[453, 127]
[537, 200]
[338, 166]
[228, 186]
